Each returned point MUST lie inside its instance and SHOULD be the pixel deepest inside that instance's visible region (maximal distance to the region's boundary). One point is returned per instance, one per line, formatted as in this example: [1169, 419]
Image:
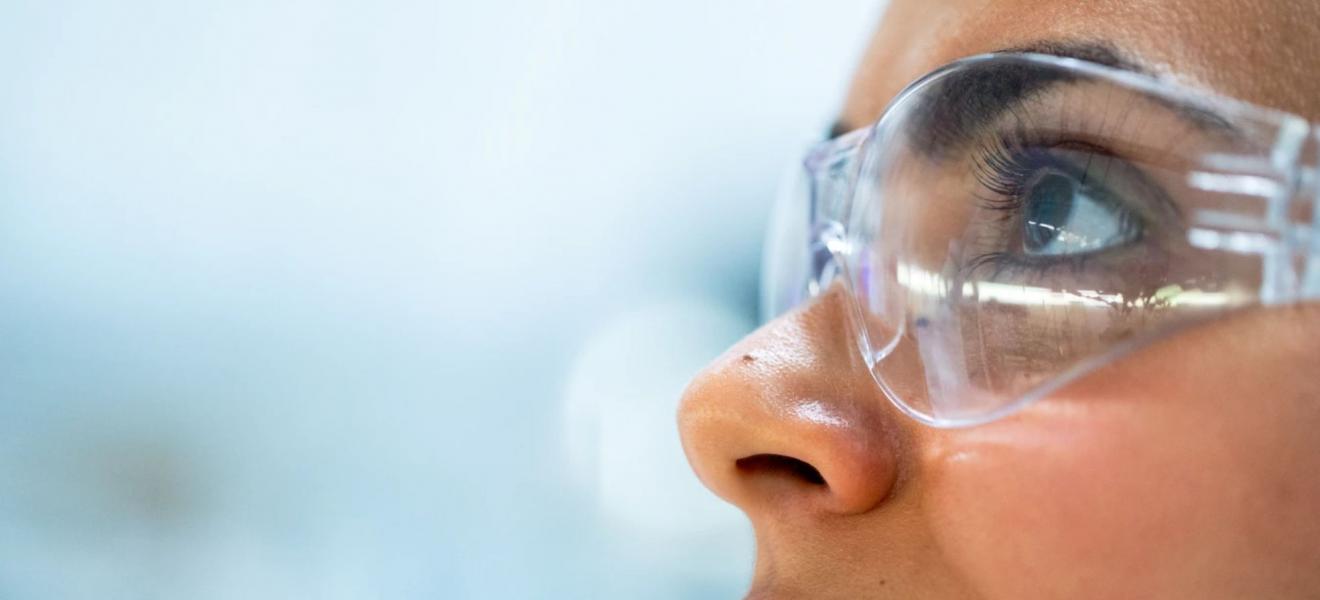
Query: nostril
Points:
[773, 464]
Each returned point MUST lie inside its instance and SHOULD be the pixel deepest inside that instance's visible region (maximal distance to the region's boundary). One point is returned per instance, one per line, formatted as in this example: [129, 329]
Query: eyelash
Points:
[1001, 168]
[1005, 166]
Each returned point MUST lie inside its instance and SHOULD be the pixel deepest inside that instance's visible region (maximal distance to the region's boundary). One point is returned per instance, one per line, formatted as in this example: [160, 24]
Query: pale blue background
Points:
[363, 299]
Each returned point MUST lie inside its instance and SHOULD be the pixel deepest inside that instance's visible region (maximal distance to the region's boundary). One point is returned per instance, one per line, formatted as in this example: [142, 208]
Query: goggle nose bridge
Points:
[828, 245]
[832, 173]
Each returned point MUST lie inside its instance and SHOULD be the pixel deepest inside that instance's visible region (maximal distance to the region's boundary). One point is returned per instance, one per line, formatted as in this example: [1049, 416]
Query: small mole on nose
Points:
[748, 359]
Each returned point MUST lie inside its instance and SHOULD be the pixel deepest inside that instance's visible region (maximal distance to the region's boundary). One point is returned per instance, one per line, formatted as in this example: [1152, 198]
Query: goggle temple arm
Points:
[1276, 212]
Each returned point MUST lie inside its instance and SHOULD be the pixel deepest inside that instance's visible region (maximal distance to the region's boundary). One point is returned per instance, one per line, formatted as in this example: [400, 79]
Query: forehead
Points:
[1265, 51]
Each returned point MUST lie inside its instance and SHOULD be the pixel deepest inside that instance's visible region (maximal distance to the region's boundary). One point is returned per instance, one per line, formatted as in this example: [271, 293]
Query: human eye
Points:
[1047, 204]
[1063, 217]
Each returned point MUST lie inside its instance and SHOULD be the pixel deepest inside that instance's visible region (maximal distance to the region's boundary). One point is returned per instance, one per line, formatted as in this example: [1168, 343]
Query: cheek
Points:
[1065, 501]
[1021, 501]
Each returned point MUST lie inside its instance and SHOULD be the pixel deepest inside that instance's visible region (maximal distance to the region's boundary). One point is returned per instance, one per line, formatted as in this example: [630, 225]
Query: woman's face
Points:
[1188, 469]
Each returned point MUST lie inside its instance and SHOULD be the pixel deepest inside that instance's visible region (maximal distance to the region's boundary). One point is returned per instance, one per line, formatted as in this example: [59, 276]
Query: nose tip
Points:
[788, 420]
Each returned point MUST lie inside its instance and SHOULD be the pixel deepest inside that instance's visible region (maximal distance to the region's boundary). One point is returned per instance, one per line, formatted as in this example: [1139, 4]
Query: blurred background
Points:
[364, 299]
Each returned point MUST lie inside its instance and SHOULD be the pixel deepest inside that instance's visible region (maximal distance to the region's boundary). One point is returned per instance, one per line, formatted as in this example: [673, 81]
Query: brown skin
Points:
[1189, 469]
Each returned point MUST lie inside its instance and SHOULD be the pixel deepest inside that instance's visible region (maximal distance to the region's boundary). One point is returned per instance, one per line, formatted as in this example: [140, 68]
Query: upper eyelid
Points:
[1007, 150]
[1172, 214]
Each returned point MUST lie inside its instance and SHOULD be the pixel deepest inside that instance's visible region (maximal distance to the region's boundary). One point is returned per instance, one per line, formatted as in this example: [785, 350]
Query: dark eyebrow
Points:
[976, 96]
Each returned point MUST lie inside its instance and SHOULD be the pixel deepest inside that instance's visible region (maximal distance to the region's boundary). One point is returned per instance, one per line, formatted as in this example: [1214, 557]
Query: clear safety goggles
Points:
[1015, 221]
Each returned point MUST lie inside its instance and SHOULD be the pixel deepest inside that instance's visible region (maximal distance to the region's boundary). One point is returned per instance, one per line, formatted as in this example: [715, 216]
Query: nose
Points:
[789, 420]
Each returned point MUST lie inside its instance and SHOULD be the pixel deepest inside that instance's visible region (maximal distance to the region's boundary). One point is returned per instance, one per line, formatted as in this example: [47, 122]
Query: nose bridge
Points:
[790, 400]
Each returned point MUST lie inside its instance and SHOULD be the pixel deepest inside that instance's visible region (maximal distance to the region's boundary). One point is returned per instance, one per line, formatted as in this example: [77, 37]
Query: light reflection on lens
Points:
[933, 285]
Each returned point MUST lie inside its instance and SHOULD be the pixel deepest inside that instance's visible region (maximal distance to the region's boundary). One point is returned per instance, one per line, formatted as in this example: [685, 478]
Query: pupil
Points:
[1049, 203]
